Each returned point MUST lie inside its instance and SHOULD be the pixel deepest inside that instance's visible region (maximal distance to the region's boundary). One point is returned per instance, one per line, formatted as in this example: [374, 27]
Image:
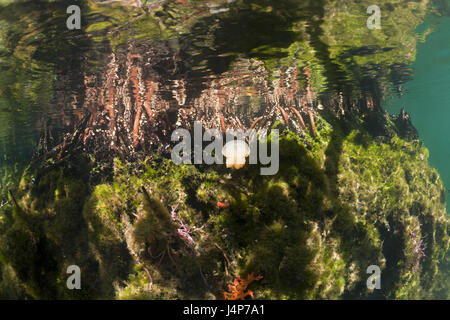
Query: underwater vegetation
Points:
[354, 187]
[341, 201]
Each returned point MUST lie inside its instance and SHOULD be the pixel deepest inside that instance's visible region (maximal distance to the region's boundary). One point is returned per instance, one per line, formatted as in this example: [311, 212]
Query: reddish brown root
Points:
[137, 100]
[85, 135]
[313, 125]
[255, 122]
[110, 108]
[137, 120]
[299, 116]
[222, 124]
[135, 82]
[285, 117]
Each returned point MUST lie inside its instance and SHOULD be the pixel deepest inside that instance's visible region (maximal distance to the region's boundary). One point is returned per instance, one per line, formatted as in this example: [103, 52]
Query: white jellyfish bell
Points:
[235, 152]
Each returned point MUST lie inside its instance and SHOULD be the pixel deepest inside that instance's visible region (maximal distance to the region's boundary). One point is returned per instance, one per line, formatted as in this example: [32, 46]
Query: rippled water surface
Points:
[204, 56]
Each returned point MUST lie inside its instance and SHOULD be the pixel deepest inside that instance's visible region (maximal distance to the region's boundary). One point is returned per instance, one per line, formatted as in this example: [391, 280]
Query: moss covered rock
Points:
[341, 201]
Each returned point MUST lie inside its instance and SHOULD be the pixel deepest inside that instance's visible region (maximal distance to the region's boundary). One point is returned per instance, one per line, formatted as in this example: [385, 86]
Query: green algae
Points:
[339, 203]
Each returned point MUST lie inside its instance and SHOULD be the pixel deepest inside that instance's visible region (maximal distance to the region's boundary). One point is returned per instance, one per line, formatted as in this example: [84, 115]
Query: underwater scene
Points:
[224, 149]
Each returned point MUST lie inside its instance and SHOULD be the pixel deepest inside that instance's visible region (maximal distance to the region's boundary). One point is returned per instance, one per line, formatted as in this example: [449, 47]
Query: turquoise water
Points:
[427, 98]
